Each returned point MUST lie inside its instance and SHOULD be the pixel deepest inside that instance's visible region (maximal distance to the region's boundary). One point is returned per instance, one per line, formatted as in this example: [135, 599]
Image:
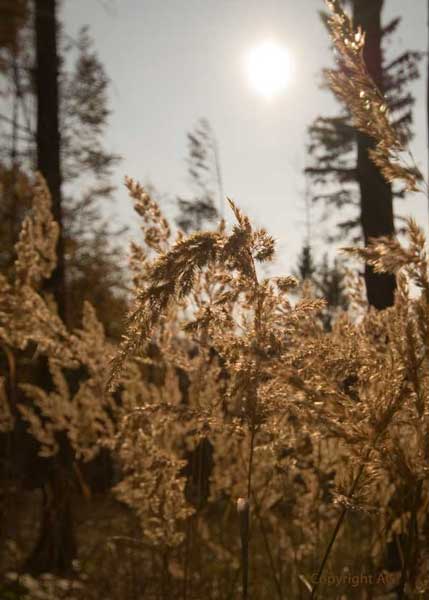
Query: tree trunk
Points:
[427, 101]
[56, 547]
[376, 193]
[48, 134]
[12, 18]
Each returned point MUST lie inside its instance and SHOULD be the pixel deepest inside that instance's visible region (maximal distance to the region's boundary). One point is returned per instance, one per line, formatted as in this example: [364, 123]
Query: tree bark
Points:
[56, 546]
[427, 100]
[48, 132]
[376, 192]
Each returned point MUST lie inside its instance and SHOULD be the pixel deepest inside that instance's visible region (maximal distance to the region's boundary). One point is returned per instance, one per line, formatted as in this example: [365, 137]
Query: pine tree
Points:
[92, 256]
[328, 282]
[205, 175]
[305, 265]
[90, 251]
[341, 181]
[330, 285]
[56, 544]
[48, 140]
[64, 139]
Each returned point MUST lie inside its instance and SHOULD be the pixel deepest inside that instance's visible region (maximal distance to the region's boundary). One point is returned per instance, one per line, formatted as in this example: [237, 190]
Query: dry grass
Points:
[226, 392]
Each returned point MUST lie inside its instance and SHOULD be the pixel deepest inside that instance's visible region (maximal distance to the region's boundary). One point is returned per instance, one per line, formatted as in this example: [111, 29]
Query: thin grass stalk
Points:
[12, 387]
[386, 420]
[277, 581]
[243, 507]
[427, 107]
[165, 591]
[243, 510]
[187, 555]
[412, 531]
[338, 527]
[250, 466]
[231, 594]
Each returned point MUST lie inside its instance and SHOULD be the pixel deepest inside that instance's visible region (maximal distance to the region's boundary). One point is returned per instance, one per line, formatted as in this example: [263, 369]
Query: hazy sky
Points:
[172, 62]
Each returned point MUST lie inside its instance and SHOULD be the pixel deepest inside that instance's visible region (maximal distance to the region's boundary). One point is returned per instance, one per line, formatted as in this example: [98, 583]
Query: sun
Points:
[269, 68]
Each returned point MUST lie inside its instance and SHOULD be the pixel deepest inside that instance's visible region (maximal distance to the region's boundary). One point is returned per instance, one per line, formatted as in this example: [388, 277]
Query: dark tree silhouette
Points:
[205, 175]
[343, 182]
[48, 132]
[57, 120]
[376, 198]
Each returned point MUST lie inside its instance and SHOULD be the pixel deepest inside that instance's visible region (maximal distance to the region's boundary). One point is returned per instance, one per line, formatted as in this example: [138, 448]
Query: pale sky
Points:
[172, 62]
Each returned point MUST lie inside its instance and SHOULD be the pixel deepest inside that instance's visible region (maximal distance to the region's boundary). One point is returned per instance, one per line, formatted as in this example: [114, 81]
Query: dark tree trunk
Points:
[48, 134]
[427, 96]
[376, 192]
[56, 547]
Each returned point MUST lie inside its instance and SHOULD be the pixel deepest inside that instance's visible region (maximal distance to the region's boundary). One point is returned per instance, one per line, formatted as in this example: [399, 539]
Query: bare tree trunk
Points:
[56, 546]
[427, 100]
[48, 134]
[376, 192]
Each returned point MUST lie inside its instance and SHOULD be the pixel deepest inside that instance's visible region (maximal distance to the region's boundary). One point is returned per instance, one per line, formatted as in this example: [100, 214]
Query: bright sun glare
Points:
[268, 68]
